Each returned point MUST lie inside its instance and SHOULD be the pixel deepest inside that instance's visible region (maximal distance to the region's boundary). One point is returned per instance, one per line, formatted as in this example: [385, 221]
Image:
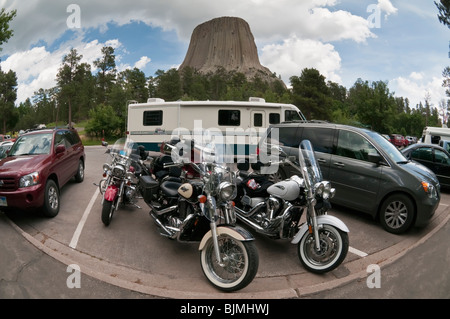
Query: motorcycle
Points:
[201, 210]
[120, 178]
[275, 210]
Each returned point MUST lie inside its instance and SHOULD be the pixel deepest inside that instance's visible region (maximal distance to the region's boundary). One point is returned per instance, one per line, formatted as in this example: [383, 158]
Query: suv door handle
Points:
[322, 161]
[339, 164]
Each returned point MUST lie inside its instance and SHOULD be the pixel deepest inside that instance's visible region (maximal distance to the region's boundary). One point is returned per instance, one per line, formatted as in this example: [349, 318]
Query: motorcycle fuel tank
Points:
[287, 190]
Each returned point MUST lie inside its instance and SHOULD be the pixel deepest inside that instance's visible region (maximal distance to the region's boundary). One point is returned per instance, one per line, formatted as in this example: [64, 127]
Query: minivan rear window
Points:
[321, 138]
[285, 136]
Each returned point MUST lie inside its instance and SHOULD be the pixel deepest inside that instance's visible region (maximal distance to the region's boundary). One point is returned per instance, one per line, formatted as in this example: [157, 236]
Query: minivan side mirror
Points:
[374, 158]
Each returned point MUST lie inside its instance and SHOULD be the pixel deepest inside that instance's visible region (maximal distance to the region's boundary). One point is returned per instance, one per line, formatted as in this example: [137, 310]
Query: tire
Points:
[334, 245]
[79, 177]
[51, 199]
[107, 212]
[397, 213]
[280, 175]
[241, 263]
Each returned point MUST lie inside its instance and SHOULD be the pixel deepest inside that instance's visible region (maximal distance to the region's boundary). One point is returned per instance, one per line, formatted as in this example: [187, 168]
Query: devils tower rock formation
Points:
[225, 42]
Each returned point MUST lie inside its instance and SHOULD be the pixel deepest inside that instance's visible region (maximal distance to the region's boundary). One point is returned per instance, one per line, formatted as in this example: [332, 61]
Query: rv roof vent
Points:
[155, 99]
[256, 99]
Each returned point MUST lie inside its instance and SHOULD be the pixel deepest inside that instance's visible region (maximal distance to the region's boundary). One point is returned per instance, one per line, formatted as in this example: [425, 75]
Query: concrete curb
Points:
[267, 287]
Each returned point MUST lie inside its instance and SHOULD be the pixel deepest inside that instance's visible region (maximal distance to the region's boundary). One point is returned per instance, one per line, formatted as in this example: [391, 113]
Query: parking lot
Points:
[131, 254]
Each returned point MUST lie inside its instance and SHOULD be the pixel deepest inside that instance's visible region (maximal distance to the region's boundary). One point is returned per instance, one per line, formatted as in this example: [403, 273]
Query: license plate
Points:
[3, 201]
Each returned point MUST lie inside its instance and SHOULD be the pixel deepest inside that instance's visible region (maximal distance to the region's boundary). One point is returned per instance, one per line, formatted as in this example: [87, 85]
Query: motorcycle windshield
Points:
[310, 168]
[123, 146]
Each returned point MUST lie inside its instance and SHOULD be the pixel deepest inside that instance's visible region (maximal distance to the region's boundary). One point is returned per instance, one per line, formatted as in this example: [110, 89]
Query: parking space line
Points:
[76, 235]
[357, 252]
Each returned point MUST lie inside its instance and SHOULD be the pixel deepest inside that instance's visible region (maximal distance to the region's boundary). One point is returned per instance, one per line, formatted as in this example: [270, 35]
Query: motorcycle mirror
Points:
[275, 150]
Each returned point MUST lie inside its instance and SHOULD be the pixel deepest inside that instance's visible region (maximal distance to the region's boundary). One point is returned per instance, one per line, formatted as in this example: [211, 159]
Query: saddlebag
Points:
[149, 188]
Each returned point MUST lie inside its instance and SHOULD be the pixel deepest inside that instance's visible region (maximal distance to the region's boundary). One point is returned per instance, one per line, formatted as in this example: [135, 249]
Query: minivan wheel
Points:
[278, 176]
[397, 213]
[51, 199]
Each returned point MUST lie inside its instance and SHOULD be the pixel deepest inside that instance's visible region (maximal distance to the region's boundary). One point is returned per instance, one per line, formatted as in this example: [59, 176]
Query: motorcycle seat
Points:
[170, 188]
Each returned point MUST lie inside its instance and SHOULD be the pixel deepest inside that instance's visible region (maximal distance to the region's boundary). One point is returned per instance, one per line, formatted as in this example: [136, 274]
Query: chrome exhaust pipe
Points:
[167, 231]
[251, 212]
[163, 211]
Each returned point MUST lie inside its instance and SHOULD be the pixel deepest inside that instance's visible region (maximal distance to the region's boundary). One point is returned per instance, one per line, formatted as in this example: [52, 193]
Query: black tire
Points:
[280, 175]
[241, 263]
[79, 176]
[107, 212]
[397, 213]
[51, 199]
[334, 245]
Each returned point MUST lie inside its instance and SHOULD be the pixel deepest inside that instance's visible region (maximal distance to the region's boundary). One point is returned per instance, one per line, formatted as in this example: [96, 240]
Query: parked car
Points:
[37, 166]
[411, 139]
[398, 140]
[368, 172]
[435, 157]
[4, 148]
[4, 138]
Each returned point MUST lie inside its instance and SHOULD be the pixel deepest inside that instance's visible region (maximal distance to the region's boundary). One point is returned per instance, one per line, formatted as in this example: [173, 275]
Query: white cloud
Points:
[415, 87]
[294, 54]
[46, 20]
[142, 63]
[387, 7]
[299, 26]
[37, 68]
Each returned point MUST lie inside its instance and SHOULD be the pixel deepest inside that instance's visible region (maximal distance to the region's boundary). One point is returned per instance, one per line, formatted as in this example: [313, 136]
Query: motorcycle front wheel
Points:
[107, 212]
[240, 263]
[333, 249]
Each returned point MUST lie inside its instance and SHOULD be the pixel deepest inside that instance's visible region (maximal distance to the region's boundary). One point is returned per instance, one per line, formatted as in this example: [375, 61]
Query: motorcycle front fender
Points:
[236, 232]
[321, 220]
[111, 193]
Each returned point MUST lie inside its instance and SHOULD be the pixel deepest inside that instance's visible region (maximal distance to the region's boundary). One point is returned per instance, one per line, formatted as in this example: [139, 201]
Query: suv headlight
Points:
[29, 180]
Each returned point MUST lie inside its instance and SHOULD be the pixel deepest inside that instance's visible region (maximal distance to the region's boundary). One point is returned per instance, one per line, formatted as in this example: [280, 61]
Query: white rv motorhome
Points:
[235, 125]
[433, 135]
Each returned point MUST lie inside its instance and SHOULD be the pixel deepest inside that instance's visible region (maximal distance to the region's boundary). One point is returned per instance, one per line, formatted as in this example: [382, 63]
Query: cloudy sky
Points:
[401, 42]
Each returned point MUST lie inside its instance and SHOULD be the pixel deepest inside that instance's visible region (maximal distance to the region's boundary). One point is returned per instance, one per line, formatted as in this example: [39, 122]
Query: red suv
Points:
[37, 166]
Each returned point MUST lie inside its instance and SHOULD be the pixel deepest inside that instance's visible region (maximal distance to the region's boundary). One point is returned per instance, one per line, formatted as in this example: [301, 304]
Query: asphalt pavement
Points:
[39, 259]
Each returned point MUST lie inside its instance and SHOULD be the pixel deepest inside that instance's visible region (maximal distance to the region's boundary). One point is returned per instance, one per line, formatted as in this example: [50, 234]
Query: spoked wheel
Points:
[107, 212]
[240, 262]
[333, 249]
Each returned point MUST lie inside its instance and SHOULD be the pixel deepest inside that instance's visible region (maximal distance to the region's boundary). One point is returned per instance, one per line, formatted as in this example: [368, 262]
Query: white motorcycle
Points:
[275, 210]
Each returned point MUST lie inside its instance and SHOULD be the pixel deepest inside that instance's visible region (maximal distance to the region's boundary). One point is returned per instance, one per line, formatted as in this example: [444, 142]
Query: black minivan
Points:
[368, 172]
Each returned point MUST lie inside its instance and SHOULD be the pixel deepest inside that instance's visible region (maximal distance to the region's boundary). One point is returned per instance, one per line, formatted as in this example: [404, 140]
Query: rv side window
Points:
[291, 116]
[258, 119]
[152, 118]
[229, 117]
[274, 118]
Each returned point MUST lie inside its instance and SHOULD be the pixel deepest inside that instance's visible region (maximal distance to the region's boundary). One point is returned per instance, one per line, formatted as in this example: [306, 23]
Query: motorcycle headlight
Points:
[106, 167]
[226, 191]
[324, 190]
[118, 171]
[29, 180]
[318, 189]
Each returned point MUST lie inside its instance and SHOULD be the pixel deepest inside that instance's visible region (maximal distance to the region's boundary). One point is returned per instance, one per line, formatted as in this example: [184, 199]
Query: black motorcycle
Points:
[200, 210]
